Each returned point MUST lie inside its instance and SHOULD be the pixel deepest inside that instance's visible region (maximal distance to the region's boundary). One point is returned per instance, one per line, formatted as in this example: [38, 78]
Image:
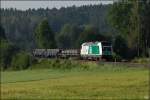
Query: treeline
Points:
[70, 36]
[11, 56]
[20, 25]
[131, 19]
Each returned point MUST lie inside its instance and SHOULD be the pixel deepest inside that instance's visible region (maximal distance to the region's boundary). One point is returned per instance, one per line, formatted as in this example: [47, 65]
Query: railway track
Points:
[128, 64]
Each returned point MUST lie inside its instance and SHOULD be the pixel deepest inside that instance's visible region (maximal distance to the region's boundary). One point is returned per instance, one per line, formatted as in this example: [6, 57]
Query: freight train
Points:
[89, 50]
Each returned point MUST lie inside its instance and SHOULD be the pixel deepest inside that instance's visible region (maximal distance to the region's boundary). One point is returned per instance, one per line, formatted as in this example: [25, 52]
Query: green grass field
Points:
[98, 82]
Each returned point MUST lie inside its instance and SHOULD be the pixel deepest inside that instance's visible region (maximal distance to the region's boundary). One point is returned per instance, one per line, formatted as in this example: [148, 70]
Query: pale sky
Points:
[24, 5]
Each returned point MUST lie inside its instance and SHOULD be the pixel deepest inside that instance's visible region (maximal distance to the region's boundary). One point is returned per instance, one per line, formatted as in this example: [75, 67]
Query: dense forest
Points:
[20, 25]
[125, 24]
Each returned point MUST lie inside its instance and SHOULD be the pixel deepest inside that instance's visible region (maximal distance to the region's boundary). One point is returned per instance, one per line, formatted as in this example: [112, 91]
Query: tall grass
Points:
[90, 84]
[58, 64]
[66, 64]
[141, 60]
[67, 79]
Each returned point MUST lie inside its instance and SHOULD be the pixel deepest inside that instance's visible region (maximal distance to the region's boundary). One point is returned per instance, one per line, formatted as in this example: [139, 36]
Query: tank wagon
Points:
[89, 50]
[56, 53]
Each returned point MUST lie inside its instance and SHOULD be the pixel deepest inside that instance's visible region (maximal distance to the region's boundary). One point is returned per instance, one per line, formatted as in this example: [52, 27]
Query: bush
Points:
[116, 57]
[7, 51]
[141, 60]
[21, 60]
[148, 52]
[60, 64]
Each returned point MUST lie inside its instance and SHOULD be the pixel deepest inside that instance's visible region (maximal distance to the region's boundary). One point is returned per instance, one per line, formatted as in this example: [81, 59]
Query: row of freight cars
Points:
[89, 50]
[56, 53]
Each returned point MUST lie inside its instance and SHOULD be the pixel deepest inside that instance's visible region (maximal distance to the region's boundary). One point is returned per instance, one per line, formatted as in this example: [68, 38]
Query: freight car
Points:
[89, 50]
[66, 53]
[46, 53]
[56, 53]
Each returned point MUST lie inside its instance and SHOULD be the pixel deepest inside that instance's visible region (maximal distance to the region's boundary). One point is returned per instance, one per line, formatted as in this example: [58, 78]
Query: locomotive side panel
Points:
[91, 50]
[96, 50]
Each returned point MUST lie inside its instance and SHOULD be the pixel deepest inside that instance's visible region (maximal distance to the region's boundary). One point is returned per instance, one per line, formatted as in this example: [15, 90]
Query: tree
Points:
[2, 33]
[44, 36]
[21, 60]
[68, 36]
[20, 25]
[90, 34]
[126, 17]
[145, 30]
[119, 17]
[7, 50]
[120, 47]
[134, 35]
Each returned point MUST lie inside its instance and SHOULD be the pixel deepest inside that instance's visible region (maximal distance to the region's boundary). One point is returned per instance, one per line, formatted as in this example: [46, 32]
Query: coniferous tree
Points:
[2, 33]
[90, 34]
[7, 50]
[44, 35]
[19, 25]
[68, 36]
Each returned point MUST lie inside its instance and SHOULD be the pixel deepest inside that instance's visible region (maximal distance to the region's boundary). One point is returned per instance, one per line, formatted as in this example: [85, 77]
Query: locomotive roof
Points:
[92, 43]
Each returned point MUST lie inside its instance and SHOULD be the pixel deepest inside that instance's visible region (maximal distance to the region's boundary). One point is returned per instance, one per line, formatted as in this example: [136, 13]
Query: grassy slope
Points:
[107, 82]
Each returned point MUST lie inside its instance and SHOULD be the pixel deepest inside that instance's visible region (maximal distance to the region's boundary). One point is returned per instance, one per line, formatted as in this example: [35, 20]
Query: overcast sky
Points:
[24, 5]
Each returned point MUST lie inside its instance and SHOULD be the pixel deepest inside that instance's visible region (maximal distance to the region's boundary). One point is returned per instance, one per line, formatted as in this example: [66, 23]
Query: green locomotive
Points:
[96, 50]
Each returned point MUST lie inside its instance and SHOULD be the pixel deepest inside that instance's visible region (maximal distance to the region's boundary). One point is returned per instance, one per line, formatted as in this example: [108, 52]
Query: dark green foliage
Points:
[68, 36]
[59, 64]
[7, 50]
[21, 60]
[119, 17]
[44, 36]
[11, 57]
[72, 36]
[5, 54]
[20, 25]
[145, 27]
[131, 20]
[2, 33]
[116, 57]
[141, 60]
[120, 47]
[89, 34]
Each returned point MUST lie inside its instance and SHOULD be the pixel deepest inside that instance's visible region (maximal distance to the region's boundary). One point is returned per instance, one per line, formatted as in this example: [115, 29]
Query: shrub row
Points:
[63, 64]
[22, 60]
[141, 60]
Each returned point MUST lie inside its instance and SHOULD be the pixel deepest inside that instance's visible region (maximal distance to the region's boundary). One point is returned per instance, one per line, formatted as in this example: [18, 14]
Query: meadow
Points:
[95, 81]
